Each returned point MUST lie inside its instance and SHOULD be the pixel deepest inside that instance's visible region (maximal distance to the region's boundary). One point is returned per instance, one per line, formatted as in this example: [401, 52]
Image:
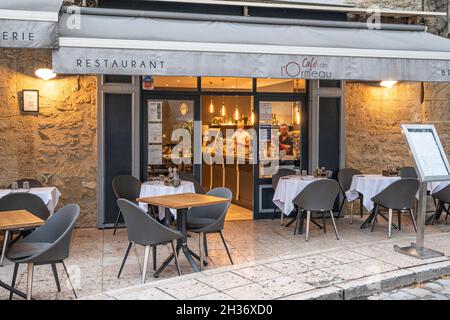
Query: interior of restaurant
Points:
[247, 106]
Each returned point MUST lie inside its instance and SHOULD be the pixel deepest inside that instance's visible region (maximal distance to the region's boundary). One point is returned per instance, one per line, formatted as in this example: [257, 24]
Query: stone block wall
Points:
[60, 140]
[373, 116]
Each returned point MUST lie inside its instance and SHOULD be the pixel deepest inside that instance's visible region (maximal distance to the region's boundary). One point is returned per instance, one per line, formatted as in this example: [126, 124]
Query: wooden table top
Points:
[10, 220]
[183, 200]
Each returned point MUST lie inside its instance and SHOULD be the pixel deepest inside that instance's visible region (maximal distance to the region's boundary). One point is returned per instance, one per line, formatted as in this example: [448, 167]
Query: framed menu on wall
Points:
[429, 156]
[155, 133]
[154, 111]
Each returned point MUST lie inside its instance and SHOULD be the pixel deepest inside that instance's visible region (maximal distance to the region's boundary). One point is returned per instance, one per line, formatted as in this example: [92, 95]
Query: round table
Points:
[157, 188]
[287, 189]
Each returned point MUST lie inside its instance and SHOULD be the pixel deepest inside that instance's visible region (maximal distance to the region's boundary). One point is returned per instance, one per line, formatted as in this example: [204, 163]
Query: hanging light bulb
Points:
[252, 118]
[297, 115]
[236, 110]
[223, 110]
[211, 104]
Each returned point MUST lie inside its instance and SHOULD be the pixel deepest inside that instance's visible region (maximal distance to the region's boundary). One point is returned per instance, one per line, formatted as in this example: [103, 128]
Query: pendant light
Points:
[252, 117]
[236, 110]
[223, 110]
[211, 104]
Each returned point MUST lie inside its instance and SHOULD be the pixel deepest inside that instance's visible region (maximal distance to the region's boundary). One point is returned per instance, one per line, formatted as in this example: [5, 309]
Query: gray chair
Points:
[22, 201]
[399, 195]
[408, 172]
[125, 187]
[318, 196]
[32, 182]
[49, 244]
[283, 172]
[144, 230]
[209, 219]
[443, 200]
[189, 177]
[345, 177]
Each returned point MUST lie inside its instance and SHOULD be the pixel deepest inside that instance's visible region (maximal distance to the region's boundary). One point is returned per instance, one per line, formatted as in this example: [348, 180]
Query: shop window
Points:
[164, 118]
[227, 84]
[280, 136]
[169, 83]
[281, 85]
[112, 78]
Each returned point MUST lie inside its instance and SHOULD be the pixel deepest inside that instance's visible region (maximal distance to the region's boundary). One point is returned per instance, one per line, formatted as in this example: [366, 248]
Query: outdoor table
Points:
[13, 220]
[181, 203]
[50, 195]
[157, 188]
[287, 189]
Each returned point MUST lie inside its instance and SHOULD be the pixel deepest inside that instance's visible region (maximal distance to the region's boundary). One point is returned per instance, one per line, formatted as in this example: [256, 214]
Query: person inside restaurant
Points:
[241, 140]
[286, 142]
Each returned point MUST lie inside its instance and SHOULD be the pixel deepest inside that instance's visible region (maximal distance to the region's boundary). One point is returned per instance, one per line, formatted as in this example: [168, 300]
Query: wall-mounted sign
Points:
[30, 100]
[265, 111]
[148, 83]
[155, 132]
[429, 155]
[28, 34]
[155, 154]
[154, 111]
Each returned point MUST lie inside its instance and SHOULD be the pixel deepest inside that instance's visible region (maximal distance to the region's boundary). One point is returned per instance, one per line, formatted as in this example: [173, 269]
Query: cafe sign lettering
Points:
[27, 34]
[306, 68]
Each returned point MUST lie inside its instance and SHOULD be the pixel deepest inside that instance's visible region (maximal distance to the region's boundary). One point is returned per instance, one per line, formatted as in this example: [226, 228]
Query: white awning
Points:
[29, 23]
[141, 45]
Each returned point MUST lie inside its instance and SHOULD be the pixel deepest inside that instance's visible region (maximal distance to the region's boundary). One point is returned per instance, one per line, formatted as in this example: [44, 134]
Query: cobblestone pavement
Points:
[431, 290]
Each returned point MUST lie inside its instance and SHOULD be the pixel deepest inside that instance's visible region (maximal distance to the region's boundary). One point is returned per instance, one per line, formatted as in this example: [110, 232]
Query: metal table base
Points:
[14, 290]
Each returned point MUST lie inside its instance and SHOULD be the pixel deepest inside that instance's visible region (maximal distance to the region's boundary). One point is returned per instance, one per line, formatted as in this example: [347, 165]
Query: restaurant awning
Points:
[29, 23]
[163, 45]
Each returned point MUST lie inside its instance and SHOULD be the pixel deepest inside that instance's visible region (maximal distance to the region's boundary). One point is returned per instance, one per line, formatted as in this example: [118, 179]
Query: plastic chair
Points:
[408, 172]
[399, 195]
[33, 183]
[144, 230]
[125, 187]
[443, 198]
[345, 177]
[283, 172]
[48, 244]
[318, 196]
[209, 219]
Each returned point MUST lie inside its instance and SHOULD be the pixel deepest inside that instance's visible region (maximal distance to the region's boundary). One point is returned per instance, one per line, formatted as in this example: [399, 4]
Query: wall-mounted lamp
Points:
[388, 84]
[45, 73]
[184, 108]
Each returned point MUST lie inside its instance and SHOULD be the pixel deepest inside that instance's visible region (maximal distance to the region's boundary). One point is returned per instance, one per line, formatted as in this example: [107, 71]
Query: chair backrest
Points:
[345, 177]
[408, 172]
[443, 194]
[126, 187]
[400, 194]
[318, 195]
[57, 230]
[189, 177]
[25, 201]
[33, 183]
[215, 211]
[282, 172]
[142, 228]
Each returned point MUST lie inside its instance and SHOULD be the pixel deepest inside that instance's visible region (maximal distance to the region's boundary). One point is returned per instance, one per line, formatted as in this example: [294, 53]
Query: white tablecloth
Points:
[370, 185]
[50, 195]
[287, 190]
[156, 188]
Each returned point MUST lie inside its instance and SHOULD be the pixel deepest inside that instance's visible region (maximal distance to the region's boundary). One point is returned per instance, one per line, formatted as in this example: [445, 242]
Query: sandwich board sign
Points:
[431, 165]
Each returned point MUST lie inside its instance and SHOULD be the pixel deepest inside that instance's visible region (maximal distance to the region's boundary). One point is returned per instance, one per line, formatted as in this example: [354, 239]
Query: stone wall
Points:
[59, 140]
[373, 117]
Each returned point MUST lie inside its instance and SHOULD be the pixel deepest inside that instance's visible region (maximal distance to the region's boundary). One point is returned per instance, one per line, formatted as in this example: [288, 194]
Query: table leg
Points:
[369, 219]
[181, 226]
[5, 246]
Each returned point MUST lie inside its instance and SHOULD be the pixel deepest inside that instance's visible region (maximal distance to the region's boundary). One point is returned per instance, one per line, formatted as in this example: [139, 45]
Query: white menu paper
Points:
[155, 154]
[155, 133]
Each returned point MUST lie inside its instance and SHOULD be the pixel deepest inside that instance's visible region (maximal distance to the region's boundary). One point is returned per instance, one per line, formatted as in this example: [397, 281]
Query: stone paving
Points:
[270, 263]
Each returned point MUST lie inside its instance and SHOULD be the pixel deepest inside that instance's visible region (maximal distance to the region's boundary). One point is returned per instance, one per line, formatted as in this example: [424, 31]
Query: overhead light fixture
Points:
[45, 73]
[252, 118]
[297, 115]
[223, 110]
[388, 83]
[211, 104]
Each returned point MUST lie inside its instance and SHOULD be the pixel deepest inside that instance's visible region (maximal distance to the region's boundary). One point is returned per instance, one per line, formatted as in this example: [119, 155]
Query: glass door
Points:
[168, 134]
[282, 143]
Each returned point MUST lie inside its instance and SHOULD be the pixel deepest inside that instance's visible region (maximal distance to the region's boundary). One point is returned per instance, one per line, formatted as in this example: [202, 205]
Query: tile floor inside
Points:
[96, 255]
